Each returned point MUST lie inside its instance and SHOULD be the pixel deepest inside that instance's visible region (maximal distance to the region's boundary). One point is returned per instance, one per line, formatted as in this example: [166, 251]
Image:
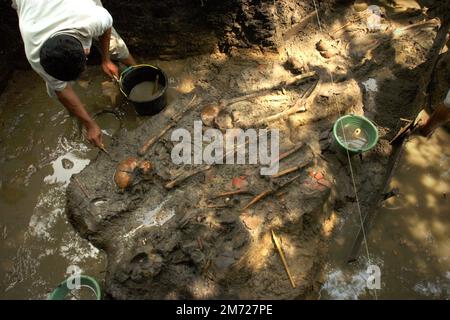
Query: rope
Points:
[351, 168]
[317, 14]
[355, 190]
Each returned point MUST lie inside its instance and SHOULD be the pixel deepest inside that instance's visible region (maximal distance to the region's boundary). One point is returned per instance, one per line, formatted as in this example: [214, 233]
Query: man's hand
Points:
[73, 104]
[110, 68]
[94, 135]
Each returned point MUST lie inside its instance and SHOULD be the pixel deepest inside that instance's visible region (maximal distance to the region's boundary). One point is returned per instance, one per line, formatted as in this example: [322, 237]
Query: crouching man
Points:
[57, 36]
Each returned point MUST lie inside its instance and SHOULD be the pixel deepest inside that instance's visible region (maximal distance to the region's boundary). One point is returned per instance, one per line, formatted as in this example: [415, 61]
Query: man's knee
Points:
[118, 49]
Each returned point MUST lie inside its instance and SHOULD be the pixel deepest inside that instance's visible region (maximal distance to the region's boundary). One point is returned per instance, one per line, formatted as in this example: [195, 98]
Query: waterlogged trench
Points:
[409, 240]
[41, 148]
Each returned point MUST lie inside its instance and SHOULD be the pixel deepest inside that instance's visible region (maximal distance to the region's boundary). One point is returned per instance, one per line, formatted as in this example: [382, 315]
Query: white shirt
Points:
[41, 19]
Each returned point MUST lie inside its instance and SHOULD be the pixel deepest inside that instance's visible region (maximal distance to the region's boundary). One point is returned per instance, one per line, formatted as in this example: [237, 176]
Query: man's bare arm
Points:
[108, 66]
[73, 104]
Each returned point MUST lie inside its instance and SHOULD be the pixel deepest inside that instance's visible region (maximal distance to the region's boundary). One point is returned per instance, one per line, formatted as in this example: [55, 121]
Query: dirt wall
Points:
[175, 29]
[181, 28]
[10, 42]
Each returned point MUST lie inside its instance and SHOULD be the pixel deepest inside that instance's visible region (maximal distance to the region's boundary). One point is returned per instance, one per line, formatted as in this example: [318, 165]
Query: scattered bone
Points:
[223, 121]
[208, 114]
[295, 66]
[360, 5]
[126, 171]
[145, 167]
[123, 177]
[283, 258]
[297, 80]
[433, 23]
[325, 49]
[4, 232]
[299, 26]
[299, 106]
[336, 33]
[217, 206]
[252, 222]
[83, 83]
[127, 165]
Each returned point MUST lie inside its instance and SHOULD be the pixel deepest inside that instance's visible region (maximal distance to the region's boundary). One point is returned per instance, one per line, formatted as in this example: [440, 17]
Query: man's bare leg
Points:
[129, 61]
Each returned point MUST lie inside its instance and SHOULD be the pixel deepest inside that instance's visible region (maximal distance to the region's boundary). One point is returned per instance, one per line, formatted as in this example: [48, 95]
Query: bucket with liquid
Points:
[145, 86]
[356, 134]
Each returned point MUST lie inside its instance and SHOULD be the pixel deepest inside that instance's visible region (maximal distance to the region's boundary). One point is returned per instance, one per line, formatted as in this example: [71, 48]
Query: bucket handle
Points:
[124, 72]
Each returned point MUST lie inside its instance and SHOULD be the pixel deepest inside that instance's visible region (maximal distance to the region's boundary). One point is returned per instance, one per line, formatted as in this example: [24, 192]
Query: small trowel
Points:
[103, 149]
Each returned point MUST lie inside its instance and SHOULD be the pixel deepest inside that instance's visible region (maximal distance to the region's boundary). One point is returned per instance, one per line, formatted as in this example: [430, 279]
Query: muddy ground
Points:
[183, 242]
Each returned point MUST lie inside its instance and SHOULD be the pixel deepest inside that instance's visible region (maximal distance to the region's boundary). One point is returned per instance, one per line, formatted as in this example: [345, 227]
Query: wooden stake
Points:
[283, 258]
[155, 88]
[147, 145]
[230, 193]
[289, 152]
[143, 150]
[403, 131]
[82, 188]
[291, 169]
[200, 243]
[260, 196]
[179, 180]
[103, 149]
[217, 206]
[267, 192]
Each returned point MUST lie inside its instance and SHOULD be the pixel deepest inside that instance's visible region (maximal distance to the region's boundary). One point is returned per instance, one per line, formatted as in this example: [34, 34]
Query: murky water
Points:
[143, 91]
[352, 136]
[409, 239]
[41, 147]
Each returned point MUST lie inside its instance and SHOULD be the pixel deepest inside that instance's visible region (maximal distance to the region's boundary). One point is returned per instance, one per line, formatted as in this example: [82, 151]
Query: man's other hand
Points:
[110, 69]
[73, 104]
